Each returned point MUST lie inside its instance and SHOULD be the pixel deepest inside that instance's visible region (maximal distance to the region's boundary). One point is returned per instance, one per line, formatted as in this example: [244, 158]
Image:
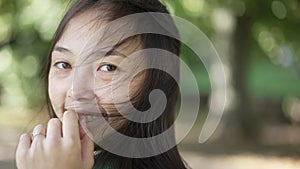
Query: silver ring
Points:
[35, 133]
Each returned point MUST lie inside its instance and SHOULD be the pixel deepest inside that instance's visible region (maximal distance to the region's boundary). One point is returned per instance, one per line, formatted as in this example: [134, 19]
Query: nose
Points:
[82, 87]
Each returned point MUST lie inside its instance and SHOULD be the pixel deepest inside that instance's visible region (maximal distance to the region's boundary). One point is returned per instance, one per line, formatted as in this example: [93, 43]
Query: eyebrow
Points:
[65, 50]
[115, 52]
[61, 49]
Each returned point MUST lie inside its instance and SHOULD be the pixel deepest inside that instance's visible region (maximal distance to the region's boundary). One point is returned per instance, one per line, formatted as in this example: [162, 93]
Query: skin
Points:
[62, 144]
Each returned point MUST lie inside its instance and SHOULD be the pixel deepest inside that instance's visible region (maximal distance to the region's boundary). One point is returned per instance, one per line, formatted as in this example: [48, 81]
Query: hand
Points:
[60, 147]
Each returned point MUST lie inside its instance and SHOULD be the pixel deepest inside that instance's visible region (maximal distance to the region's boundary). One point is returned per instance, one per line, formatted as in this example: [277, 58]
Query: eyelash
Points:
[107, 66]
[59, 65]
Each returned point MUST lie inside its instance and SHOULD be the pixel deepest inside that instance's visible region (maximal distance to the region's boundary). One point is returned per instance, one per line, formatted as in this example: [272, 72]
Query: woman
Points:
[98, 85]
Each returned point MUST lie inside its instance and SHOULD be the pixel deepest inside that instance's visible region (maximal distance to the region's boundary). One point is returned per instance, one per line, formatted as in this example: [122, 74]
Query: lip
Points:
[83, 112]
[83, 107]
[95, 129]
[92, 127]
[88, 109]
[91, 120]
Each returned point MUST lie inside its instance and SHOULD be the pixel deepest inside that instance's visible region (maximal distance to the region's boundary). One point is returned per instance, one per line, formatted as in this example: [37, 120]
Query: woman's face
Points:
[83, 79]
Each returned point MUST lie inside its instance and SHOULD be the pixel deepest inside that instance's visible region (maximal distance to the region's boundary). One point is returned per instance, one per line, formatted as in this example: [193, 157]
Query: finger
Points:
[87, 150]
[23, 147]
[54, 129]
[38, 134]
[39, 131]
[24, 142]
[70, 125]
[83, 130]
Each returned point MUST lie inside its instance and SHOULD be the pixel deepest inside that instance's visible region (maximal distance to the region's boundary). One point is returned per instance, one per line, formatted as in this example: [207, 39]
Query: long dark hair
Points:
[155, 79]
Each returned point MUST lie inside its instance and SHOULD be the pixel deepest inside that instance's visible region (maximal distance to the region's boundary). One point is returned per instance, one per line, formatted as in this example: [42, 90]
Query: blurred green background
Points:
[257, 40]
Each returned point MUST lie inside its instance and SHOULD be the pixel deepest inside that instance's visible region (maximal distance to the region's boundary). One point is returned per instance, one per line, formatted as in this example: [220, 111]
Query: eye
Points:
[107, 68]
[62, 65]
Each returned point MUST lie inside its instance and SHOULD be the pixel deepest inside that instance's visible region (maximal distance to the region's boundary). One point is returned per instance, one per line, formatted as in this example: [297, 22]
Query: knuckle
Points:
[53, 141]
[52, 147]
[71, 145]
[38, 127]
[24, 136]
[54, 121]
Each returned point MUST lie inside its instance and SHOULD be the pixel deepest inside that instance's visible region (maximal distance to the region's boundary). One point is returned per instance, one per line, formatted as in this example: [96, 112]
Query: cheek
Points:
[136, 85]
[57, 94]
[117, 92]
[103, 91]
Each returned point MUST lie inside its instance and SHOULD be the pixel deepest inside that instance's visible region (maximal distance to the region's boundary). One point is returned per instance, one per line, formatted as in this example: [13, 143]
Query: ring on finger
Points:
[35, 133]
[38, 130]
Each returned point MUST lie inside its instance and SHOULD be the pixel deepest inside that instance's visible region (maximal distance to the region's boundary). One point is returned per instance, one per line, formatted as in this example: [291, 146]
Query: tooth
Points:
[90, 118]
[84, 119]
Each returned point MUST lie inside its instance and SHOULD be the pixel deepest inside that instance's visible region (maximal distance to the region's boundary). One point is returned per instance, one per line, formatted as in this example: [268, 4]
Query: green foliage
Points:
[26, 28]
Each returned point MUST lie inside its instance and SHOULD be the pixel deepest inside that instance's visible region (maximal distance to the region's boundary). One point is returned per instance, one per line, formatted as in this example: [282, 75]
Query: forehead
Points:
[78, 31]
[87, 31]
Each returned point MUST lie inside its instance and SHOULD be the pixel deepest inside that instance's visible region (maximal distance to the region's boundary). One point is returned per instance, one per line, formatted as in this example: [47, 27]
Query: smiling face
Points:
[84, 78]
